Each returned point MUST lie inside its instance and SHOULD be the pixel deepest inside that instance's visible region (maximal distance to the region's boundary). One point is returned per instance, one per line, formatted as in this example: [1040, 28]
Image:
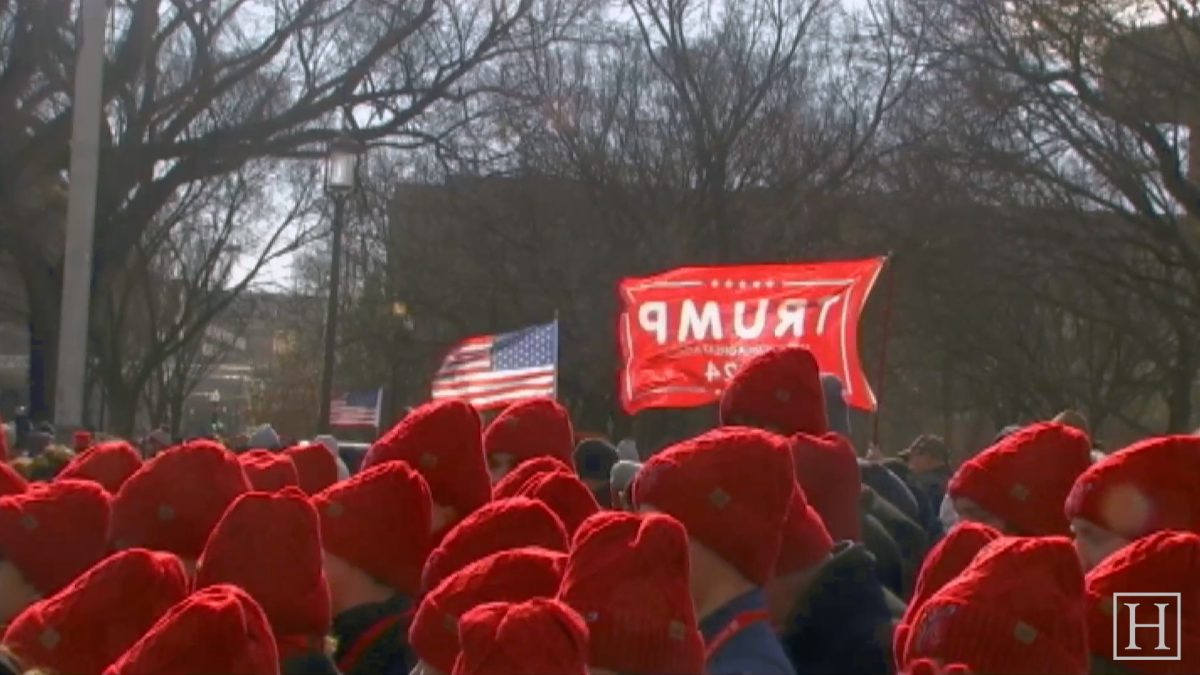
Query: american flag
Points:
[493, 370]
[356, 409]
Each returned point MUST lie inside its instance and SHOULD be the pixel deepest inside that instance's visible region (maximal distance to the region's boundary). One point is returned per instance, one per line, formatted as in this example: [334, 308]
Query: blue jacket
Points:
[843, 624]
[752, 651]
[388, 652]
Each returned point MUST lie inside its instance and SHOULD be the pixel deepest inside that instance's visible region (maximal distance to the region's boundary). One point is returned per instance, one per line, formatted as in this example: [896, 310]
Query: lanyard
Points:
[354, 653]
[739, 623]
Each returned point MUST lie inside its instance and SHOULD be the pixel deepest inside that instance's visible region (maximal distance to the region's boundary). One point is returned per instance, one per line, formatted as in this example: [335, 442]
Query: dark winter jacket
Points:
[754, 650]
[911, 539]
[889, 561]
[889, 486]
[307, 663]
[843, 624]
[373, 639]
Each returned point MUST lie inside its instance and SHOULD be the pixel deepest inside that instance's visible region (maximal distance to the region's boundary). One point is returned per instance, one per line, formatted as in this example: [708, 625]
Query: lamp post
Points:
[340, 165]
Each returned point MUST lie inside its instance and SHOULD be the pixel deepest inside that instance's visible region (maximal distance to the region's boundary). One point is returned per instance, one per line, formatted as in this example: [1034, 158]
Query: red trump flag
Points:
[684, 333]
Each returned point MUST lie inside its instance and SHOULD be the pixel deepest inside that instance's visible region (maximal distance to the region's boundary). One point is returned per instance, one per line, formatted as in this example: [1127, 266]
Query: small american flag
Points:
[493, 370]
[356, 409]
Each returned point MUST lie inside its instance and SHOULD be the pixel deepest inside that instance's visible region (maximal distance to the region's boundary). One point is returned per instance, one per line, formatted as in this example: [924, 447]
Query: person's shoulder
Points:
[754, 651]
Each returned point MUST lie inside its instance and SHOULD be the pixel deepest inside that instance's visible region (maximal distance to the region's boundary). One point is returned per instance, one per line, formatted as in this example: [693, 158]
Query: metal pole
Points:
[331, 313]
[81, 215]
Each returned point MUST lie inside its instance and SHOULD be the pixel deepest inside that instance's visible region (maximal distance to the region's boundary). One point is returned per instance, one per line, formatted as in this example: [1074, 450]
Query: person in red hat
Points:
[49, 535]
[90, 623]
[534, 428]
[81, 441]
[269, 544]
[442, 441]
[535, 637]
[565, 494]
[1145, 488]
[627, 575]
[1163, 562]
[779, 391]
[515, 575]
[315, 466]
[377, 532]
[945, 561]
[109, 464]
[219, 629]
[269, 471]
[512, 482]
[827, 471]
[1018, 486]
[731, 488]
[501, 525]
[175, 499]
[11, 482]
[1017, 608]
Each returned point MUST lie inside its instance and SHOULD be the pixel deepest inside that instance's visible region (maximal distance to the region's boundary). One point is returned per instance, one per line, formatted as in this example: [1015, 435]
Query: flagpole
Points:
[378, 410]
[557, 339]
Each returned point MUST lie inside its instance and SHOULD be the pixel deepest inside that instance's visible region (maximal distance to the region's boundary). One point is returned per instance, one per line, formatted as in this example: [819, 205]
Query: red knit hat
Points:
[1147, 487]
[11, 482]
[269, 471]
[565, 494]
[90, 623]
[534, 428]
[535, 637]
[931, 667]
[1163, 562]
[109, 464]
[511, 483]
[1024, 479]
[442, 441]
[779, 391]
[379, 521]
[219, 629]
[627, 576]
[827, 469]
[315, 467]
[731, 488]
[175, 499]
[270, 545]
[509, 576]
[806, 542]
[1017, 608]
[81, 440]
[54, 532]
[945, 561]
[501, 525]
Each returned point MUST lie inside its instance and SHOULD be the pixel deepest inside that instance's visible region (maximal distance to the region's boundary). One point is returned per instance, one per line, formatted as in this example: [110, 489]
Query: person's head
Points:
[805, 547]
[525, 430]
[837, 413]
[514, 575]
[269, 471]
[173, 501]
[620, 479]
[927, 453]
[1142, 489]
[442, 441]
[1018, 485]
[778, 391]
[566, 496]
[514, 481]
[265, 438]
[316, 468]
[594, 460]
[535, 637]
[49, 535]
[731, 489]
[110, 464]
[376, 529]
[827, 470]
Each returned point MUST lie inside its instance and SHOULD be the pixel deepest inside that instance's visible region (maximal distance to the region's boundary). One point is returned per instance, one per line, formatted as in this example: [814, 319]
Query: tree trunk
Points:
[1179, 398]
[122, 407]
[43, 295]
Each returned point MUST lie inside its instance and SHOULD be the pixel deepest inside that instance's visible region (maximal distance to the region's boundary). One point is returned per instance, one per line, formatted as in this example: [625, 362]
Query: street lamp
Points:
[341, 164]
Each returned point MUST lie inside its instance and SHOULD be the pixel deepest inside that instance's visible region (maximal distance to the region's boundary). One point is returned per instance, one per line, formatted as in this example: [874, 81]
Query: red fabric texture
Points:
[535, 637]
[442, 441]
[780, 391]
[1144, 488]
[379, 521]
[315, 467]
[81, 440]
[731, 488]
[534, 428]
[54, 532]
[89, 624]
[1017, 608]
[1025, 478]
[566, 496]
[269, 471]
[509, 576]
[269, 544]
[627, 576]
[175, 499]
[511, 483]
[806, 541]
[219, 629]
[110, 464]
[1163, 562]
[827, 470]
[11, 482]
[499, 526]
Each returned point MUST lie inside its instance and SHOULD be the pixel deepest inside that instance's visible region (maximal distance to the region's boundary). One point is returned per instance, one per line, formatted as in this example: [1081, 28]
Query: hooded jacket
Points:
[373, 639]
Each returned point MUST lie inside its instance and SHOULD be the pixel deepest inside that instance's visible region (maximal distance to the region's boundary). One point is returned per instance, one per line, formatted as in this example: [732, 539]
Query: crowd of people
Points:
[766, 546]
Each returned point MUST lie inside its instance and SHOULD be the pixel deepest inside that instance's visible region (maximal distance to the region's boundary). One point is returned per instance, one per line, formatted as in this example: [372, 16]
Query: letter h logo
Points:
[1147, 626]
